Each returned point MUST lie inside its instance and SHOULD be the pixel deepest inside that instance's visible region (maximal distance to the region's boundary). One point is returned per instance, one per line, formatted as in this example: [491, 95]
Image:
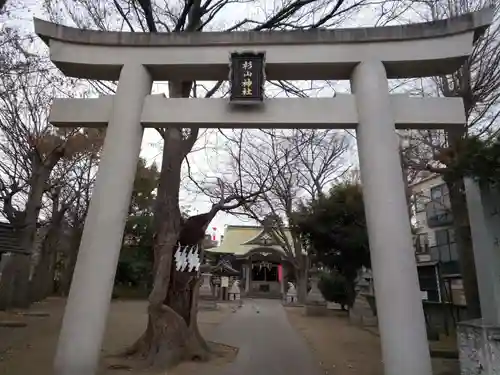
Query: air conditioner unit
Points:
[423, 258]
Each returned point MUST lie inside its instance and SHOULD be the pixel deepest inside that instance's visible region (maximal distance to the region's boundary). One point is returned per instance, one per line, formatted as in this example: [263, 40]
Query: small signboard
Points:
[224, 281]
[247, 76]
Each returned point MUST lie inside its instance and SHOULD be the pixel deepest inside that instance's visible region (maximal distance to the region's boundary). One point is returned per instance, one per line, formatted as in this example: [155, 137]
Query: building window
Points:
[422, 243]
[439, 194]
[429, 282]
[445, 250]
[438, 209]
[419, 202]
[442, 237]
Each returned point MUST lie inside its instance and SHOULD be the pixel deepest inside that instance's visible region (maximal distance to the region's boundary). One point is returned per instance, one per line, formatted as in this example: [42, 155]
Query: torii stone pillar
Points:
[368, 57]
[399, 307]
[478, 339]
[87, 307]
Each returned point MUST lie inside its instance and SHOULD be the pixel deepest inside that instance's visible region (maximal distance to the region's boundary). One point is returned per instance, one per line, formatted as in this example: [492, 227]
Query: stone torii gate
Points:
[367, 57]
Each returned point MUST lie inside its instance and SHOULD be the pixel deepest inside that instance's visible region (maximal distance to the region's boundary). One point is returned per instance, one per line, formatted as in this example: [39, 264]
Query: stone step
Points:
[264, 295]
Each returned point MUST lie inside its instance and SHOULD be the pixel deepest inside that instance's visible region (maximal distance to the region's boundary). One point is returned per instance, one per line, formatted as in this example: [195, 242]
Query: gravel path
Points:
[267, 342]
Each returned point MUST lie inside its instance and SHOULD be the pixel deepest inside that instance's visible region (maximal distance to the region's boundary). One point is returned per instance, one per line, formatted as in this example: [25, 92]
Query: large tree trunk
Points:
[461, 223]
[350, 292]
[20, 266]
[42, 282]
[172, 333]
[301, 273]
[302, 284]
[464, 247]
[70, 261]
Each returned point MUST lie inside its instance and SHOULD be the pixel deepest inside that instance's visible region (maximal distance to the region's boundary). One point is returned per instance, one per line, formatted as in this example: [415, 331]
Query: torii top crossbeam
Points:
[413, 50]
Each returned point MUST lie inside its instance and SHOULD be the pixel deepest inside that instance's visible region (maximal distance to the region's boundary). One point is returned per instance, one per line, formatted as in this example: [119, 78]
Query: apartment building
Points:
[434, 241]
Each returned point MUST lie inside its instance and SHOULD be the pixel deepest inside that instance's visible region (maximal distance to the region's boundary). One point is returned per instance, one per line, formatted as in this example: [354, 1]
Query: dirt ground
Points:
[344, 349]
[31, 349]
[340, 348]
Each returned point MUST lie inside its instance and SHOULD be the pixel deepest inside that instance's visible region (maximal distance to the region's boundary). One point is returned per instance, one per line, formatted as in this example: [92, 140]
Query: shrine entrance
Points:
[264, 272]
[265, 278]
[265, 269]
[366, 57]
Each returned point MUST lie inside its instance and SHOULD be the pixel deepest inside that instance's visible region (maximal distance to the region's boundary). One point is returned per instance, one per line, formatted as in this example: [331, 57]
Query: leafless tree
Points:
[78, 190]
[67, 198]
[30, 150]
[287, 167]
[6, 6]
[477, 82]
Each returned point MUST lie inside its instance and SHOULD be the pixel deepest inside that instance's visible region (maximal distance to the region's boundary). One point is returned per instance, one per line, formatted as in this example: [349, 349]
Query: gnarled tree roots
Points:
[169, 340]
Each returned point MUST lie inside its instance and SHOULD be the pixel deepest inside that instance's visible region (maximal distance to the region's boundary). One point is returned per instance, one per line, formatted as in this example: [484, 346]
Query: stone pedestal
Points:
[362, 313]
[234, 291]
[291, 295]
[205, 291]
[483, 204]
[315, 303]
[206, 299]
[479, 348]
[479, 340]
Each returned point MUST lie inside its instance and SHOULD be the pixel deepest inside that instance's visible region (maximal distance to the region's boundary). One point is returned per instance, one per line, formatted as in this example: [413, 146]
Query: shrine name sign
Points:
[247, 76]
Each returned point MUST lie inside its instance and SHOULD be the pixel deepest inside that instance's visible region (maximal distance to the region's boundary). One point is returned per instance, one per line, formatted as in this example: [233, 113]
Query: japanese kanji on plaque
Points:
[247, 77]
[187, 258]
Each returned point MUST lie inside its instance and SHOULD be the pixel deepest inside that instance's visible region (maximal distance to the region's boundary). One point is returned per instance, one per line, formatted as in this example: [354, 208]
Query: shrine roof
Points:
[239, 240]
[224, 268]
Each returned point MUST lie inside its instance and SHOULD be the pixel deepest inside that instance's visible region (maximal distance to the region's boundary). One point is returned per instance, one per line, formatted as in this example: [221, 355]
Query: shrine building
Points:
[260, 259]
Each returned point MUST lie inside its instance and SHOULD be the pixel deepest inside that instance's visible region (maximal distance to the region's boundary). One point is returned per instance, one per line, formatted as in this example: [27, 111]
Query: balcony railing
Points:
[438, 215]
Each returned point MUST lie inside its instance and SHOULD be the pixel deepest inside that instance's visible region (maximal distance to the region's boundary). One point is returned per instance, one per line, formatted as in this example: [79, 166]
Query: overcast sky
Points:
[206, 160]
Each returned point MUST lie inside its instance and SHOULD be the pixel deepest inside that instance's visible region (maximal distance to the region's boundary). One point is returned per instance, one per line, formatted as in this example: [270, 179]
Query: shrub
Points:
[333, 287]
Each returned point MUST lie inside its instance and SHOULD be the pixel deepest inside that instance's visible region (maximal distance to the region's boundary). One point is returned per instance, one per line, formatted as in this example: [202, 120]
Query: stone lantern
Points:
[206, 299]
[315, 302]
